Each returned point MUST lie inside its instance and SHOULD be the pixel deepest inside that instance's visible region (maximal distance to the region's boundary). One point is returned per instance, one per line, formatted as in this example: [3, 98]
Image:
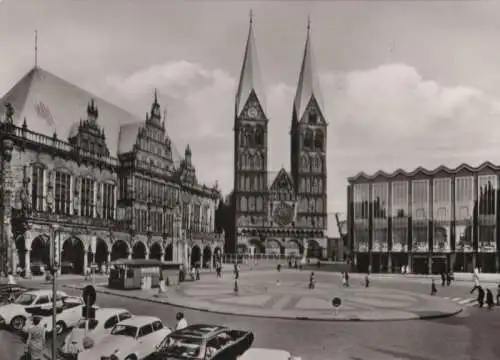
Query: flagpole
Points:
[36, 48]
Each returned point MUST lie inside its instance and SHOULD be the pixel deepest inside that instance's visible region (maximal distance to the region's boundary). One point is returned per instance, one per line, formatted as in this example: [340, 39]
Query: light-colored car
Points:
[68, 315]
[267, 354]
[18, 312]
[132, 339]
[97, 329]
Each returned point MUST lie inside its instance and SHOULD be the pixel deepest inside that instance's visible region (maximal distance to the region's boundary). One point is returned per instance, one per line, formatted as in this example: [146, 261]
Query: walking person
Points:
[489, 299]
[367, 280]
[236, 271]
[449, 278]
[36, 339]
[181, 321]
[311, 281]
[443, 279]
[498, 294]
[480, 296]
[433, 287]
[346, 279]
[477, 284]
[197, 272]
[343, 279]
[218, 270]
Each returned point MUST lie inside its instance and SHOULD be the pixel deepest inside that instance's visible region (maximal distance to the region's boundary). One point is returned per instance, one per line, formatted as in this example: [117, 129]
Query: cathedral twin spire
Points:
[250, 78]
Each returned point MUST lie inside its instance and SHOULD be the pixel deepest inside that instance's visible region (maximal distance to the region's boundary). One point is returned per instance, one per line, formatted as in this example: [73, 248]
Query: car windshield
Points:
[124, 330]
[92, 324]
[181, 347]
[25, 299]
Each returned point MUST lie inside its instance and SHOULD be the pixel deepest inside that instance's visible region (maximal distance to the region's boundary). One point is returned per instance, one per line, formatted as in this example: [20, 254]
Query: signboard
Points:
[89, 295]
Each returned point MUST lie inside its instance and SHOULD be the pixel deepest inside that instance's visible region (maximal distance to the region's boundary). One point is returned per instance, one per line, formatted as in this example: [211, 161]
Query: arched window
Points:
[242, 137]
[251, 203]
[256, 160]
[247, 183]
[242, 183]
[259, 204]
[255, 183]
[319, 205]
[320, 164]
[308, 139]
[305, 163]
[320, 185]
[319, 140]
[249, 136]
[243, 204]
[313, 117]
[302, 185]
[250, 161]
[308, 185]
[303, 205]
[312, 205]
[259, 136]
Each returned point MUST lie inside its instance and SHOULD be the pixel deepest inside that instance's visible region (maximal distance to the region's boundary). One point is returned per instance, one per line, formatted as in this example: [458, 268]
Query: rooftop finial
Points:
[156, 96]
[36, 48]
[308, 24]
[251, 16]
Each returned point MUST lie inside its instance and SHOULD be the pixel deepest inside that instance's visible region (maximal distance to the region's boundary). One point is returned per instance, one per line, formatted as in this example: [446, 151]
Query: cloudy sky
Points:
[404, 83]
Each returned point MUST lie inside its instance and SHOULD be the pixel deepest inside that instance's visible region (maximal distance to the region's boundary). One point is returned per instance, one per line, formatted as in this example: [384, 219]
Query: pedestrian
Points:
[290, 263]
[346, 279]
[181, 321]
[311, 281]
[236, 271]
[449, 278]
[489, 299]
[443, 279]
[367, 281]
[477, 284]
[433, 287]
[197, 272]
[480, 296]
[278, 267]
[498, 294]
[218, 270]
[193, 273]
[295, 265]
[36, 339]
[343, 279]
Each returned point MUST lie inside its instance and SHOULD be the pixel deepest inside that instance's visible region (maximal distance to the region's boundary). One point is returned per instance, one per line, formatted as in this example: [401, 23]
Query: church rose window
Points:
[283, 214]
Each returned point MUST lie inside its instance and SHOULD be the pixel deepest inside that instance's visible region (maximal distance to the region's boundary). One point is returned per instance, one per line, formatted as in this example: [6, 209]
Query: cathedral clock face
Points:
[283, 214]
[253, 112]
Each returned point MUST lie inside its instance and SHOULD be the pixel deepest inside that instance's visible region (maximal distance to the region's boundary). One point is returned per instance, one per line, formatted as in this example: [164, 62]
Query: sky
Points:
[404, 84]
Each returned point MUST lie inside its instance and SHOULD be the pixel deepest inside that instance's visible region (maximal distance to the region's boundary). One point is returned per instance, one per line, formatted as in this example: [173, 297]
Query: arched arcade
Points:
[119, 250]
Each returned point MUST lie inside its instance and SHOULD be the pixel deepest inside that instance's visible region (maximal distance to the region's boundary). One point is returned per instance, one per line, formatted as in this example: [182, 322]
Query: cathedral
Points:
[285, 213]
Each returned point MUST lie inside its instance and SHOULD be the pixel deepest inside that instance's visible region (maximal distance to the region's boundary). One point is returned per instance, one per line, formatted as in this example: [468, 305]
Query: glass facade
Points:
[361, 200]
[420, 215]
[464, 211]
[487, 209]
[380, 207]
[442, 215]
[400, 213]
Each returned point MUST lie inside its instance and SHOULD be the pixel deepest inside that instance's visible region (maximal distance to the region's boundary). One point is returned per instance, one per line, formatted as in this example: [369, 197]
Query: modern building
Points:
[279, 212]
[428, 220]
[100, 181]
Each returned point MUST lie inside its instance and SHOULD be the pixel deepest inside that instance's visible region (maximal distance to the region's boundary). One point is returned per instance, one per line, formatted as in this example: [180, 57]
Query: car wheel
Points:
[18, 323]
[131, 357]
[60, 328]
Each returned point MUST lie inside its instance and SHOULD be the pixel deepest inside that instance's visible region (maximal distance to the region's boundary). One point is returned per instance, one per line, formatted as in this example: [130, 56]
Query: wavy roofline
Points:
[424, 171]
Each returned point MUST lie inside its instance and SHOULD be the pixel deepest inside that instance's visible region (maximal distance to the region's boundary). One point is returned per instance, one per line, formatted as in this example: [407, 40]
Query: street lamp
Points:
[6, 132]
[53, 269]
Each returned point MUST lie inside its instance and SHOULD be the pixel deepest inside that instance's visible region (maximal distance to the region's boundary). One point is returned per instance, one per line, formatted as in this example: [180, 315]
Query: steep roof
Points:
[250, 76]
[51, 104]
[308, 84]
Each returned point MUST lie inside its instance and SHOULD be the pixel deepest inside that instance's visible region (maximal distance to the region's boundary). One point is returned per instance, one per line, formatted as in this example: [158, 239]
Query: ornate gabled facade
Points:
[288, 213]
[104, 185]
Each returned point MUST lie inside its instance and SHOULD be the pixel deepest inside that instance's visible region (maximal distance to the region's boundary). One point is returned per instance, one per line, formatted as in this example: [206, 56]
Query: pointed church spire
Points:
[250, 77]
[308, 84]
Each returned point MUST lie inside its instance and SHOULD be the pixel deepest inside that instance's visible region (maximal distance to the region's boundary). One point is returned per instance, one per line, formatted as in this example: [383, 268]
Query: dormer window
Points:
[313, 118]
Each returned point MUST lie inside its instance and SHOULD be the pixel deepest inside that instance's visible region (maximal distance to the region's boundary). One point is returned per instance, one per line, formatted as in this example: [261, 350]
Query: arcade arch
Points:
[314, 249]
[169, 253]
[119, 250]
[195, 255]
[139, 250]
[73, 255]
[207, 256]
[274, 247]
[101, 252]
[258, 245]
[155, 252]
[40, 250]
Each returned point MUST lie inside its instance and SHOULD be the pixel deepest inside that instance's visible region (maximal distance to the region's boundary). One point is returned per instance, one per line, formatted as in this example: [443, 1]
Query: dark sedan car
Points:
[204, 342]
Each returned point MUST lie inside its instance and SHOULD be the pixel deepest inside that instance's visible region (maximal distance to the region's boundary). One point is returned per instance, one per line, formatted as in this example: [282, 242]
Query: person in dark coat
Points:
[443, 279]
[311, 281]
[367, 281]
[449, 277]
[489, 299]
[480, 296]
[498, 294]
[278, 267]
[433, 287]
[346, 279]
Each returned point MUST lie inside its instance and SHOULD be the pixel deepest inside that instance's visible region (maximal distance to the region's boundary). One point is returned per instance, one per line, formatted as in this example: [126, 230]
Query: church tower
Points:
[250, 143]
[308, 147]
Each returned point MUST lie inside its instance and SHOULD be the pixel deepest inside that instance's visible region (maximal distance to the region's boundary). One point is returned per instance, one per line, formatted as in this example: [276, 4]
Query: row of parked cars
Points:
[117, 334]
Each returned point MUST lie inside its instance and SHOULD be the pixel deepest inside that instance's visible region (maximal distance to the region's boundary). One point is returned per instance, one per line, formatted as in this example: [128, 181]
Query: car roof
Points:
[200, 330]
[43, 292]
[105, 312]
[139, 320]
[265, 354]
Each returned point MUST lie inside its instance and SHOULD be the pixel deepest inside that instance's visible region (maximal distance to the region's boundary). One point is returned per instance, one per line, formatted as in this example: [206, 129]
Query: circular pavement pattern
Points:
[286, 295]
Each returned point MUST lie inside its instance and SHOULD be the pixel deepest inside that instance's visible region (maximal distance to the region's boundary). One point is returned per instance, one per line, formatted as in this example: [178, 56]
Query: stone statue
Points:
[9, 113]
[24, 196]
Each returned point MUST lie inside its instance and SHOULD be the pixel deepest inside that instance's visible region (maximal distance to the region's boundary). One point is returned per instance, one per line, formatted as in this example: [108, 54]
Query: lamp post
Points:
[53, 269]
[6, 131]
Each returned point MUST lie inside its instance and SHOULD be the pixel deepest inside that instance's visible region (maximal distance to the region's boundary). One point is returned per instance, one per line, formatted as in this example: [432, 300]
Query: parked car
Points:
[267, 354]
[132, 339]
[68, 315]
[105, 319]
[37, 268]
[27, 304]
[208, 342]
[9, 291]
